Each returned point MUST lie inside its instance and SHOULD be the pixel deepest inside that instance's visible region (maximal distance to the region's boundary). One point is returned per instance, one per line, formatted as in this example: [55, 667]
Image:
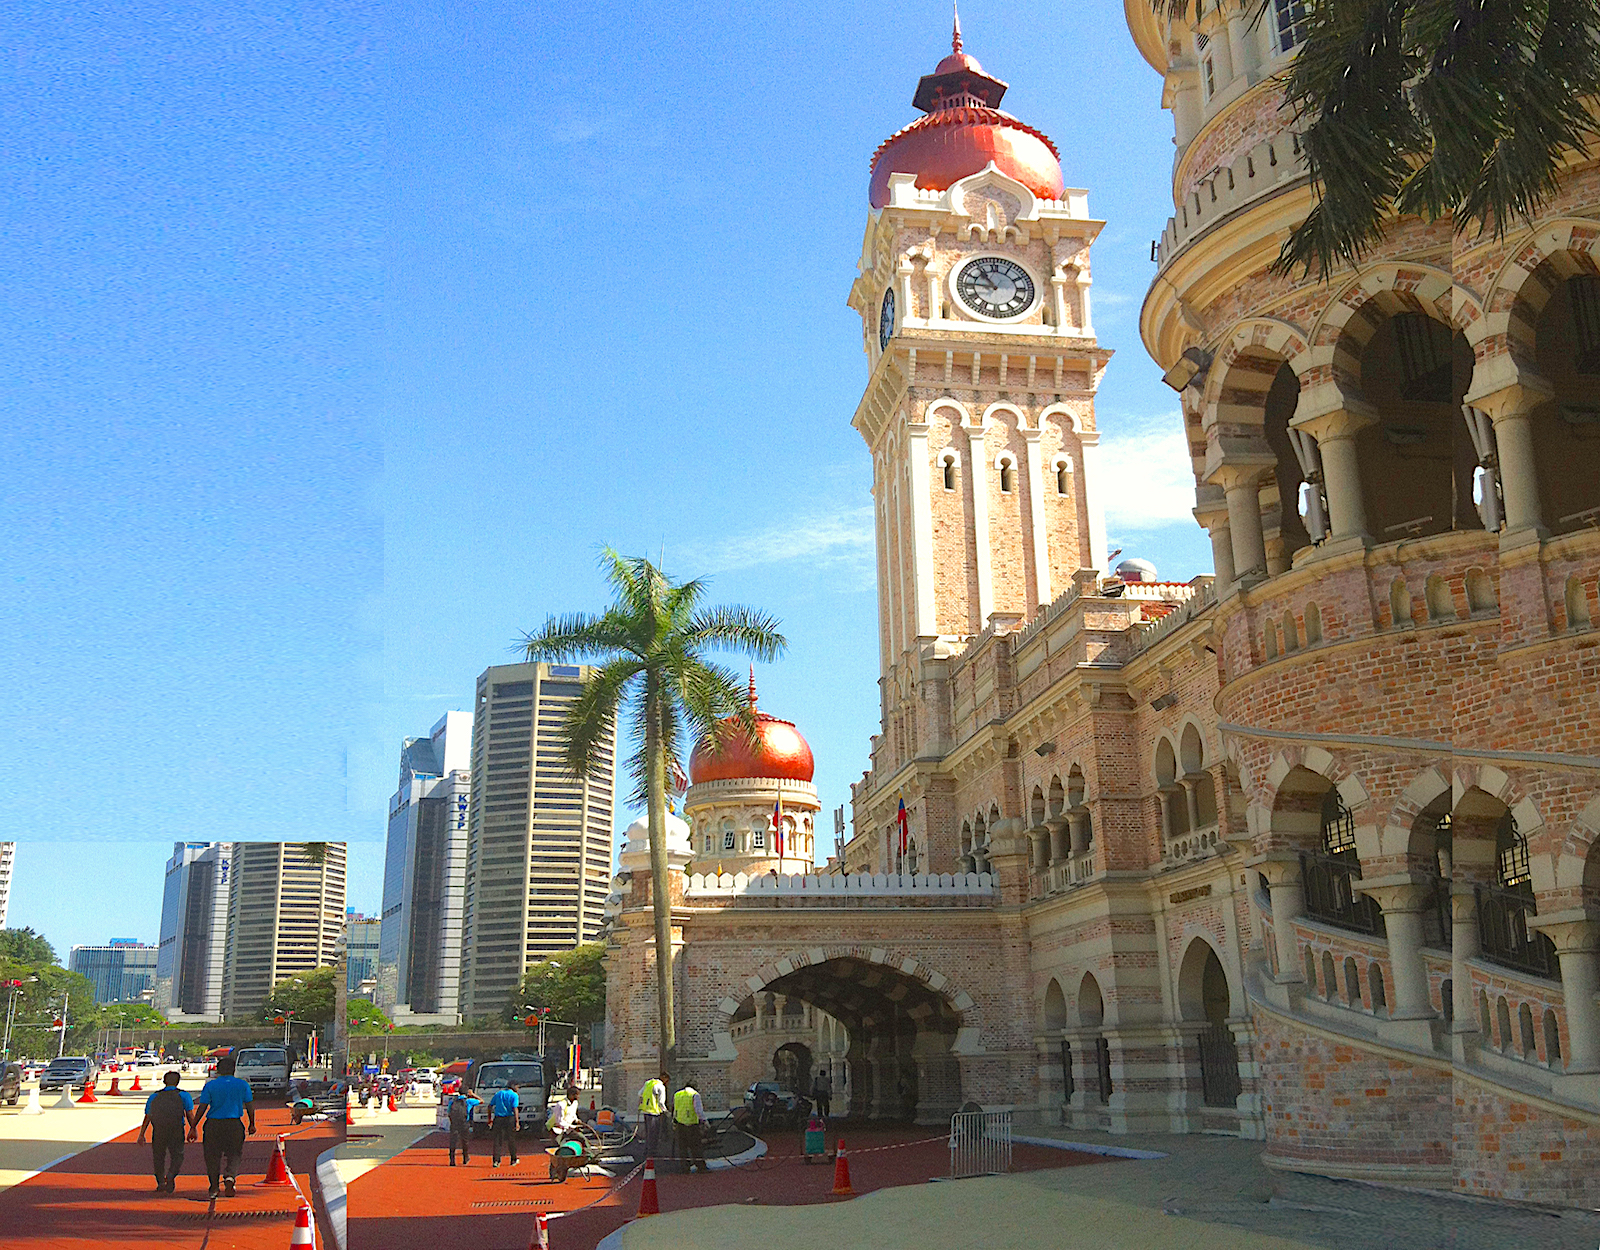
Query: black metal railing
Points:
[1219, 1067]
[1504, 937]
[1330, 897]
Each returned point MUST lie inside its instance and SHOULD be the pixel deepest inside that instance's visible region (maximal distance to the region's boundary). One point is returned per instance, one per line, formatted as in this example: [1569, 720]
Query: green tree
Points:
[366, 1017]
[572, 985]
[1445, 108]
[650, 645]
[133, 1015]
[24, 946]
[305, 996]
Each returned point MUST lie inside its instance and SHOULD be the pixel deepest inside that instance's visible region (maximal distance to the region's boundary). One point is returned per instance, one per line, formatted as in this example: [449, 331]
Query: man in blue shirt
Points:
[461, 1109]
[224, 1102]
[165, 1112]
[503, 1123]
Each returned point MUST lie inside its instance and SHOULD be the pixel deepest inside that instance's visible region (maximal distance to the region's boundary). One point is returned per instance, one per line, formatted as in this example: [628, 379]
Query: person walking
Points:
[166, 1115]
[653, 1113]
[503, 1124]
[224, 1102]
[460, 1112]
[690, 1114]
[822, 1092]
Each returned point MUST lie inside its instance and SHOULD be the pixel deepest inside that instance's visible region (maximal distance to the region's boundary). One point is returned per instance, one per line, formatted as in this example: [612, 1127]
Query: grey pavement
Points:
[1221, 1180]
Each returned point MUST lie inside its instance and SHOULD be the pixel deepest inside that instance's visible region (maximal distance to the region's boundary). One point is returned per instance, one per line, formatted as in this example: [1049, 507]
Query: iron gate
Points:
[980, 1143]
[1219, 1067]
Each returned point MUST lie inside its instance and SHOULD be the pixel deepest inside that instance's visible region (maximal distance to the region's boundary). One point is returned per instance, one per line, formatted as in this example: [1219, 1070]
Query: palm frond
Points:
[739, 629]
[591, 716]
[579, 635]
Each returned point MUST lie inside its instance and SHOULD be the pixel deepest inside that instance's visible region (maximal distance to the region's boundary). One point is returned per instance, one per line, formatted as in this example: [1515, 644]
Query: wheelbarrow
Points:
[815, 1142]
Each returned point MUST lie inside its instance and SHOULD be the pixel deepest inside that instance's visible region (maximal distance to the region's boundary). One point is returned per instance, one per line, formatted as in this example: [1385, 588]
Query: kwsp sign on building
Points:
[1301, 851]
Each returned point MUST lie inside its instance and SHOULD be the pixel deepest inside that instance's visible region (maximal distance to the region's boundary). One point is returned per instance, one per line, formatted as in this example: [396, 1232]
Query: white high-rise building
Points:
[8, 856]
[285, 915]
[194, 932]
[539, 846]
[419, 951]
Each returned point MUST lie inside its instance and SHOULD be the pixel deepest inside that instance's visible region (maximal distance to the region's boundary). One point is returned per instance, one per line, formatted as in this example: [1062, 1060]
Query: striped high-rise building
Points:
[539, 839]
[285, 914]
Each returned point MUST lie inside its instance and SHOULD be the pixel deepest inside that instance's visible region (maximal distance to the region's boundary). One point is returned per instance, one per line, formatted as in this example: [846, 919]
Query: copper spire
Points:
[752, 689]
[955, 39]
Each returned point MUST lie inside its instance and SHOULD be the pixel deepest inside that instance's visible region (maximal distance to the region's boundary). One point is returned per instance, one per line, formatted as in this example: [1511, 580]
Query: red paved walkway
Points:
[106, 1197]
[417, 1202]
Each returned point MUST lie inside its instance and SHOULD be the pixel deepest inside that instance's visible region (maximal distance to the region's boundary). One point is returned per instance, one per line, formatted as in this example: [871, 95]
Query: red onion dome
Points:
[782, 754]
[962, 132]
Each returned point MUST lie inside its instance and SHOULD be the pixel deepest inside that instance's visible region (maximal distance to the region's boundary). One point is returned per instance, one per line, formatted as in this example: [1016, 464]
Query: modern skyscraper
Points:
[121, 971]
[285, 914]
[539, 839]
[419, 958]
[361, 952]
[8, 856]
[193, 945]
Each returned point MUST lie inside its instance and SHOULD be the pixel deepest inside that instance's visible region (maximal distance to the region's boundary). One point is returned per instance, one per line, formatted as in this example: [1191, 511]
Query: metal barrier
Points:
[980, 1143]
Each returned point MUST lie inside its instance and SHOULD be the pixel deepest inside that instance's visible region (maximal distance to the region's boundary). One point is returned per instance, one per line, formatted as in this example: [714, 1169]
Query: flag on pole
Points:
[777, 825]
[904, 826]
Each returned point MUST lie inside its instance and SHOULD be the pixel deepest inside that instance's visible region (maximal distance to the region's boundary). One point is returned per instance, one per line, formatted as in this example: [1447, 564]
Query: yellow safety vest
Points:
[683, 1106]
[652, 1098]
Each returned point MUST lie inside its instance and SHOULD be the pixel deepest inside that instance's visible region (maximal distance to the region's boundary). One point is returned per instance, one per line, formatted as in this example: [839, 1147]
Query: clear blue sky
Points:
[341, 336]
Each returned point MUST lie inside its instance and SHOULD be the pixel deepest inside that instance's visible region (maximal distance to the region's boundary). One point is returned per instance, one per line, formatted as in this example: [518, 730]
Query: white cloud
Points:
[1145, 478]
[842, 539]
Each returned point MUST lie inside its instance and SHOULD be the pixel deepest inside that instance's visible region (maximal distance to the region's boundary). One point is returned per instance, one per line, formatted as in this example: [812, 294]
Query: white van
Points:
[265, 1067]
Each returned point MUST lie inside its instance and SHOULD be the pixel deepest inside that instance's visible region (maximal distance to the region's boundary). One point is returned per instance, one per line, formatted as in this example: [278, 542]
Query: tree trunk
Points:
[339, 1050]
[660, 895]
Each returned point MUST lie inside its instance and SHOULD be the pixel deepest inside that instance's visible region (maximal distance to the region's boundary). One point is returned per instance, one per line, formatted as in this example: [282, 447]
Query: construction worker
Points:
[689, 1114]
[653, 1113]
[225, 1101]
[165, 1113]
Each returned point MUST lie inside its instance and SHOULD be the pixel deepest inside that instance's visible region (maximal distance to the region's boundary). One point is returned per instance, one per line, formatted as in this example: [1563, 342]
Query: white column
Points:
[1335, 433]
[1577, 942]
[1404, 903]
[897, 642]
[1084, 283]
[1089, 445]
[1041, 539]
[1288, 904]
[1463, 948]
[921, 530]
[1519, 481]
[1242, 485]
[978, 476]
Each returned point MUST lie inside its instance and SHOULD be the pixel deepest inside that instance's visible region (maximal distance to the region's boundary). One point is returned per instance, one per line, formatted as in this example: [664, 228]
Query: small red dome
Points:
[954, 143]
[959, 61]
[783, 754]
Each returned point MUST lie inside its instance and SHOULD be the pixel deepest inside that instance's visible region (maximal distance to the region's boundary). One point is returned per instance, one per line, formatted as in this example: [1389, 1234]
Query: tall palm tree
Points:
[1465, 109]
[650, 646]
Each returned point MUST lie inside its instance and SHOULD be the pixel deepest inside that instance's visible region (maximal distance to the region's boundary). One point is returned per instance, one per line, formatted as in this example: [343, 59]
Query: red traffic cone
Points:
[302, 1228]
[114, 1089]
[278, 1169]
[649, 1203]
[88, 1091]
[392, 1107]
[541, 1233]
[841, 1173]
[591, 1101]
[136, 1087]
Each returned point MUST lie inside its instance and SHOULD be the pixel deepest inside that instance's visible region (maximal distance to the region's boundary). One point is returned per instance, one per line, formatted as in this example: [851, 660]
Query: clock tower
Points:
[973, 292]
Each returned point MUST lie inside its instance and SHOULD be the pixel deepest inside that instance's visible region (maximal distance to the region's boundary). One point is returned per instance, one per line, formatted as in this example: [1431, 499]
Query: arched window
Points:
[1399, 602]
[1480, 592]
[1352, 983]
[1291, 635]
[1063, 468]
[1505, 909]
[1006, 468]
[948, 460]
[1330, 984]
[1552, 1040]
[1269, 641]
[1375, 991]
[1484, 1026]
[1577, 605]
[1502, 1022]
[1313, 618]
[1437, 593]
[1329, 871]
[1530, 1048]
[1310, 961]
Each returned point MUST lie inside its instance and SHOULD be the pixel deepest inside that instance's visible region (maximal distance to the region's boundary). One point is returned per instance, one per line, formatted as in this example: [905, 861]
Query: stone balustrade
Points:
[1261, 170]
[825, 888]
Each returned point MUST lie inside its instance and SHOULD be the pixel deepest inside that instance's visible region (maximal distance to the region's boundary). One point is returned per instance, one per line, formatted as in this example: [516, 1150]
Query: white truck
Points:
[265, 1067]
[526, 1076]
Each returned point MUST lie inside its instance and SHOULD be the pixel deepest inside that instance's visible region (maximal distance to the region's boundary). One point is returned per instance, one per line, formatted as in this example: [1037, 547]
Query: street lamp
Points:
[15, 988]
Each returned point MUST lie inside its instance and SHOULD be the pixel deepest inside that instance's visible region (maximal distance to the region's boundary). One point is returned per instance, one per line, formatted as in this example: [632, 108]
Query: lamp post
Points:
[15, 988]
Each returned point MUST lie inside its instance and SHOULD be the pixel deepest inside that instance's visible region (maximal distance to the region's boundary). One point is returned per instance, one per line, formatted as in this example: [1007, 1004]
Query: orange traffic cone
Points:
[136, 1087]
[541, 1233]
[349, 1115]
[278, 1169]
[302, 1228]
[114, 1089]
[392, 1107]
[591, 1102]
[841, 1173]
[88, 1091]
[649, 1203]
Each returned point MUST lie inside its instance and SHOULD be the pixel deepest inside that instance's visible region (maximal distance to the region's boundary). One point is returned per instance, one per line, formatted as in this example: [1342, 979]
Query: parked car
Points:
[10, 1082]
[68, 1070]
[787, 1098]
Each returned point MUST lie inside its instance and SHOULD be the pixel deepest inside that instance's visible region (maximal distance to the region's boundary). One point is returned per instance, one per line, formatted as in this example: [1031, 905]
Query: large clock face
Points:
[992, 286]
[886, 319]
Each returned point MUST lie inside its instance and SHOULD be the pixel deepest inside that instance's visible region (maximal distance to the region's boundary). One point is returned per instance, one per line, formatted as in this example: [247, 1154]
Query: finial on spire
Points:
[752, 687]
[955, 39]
